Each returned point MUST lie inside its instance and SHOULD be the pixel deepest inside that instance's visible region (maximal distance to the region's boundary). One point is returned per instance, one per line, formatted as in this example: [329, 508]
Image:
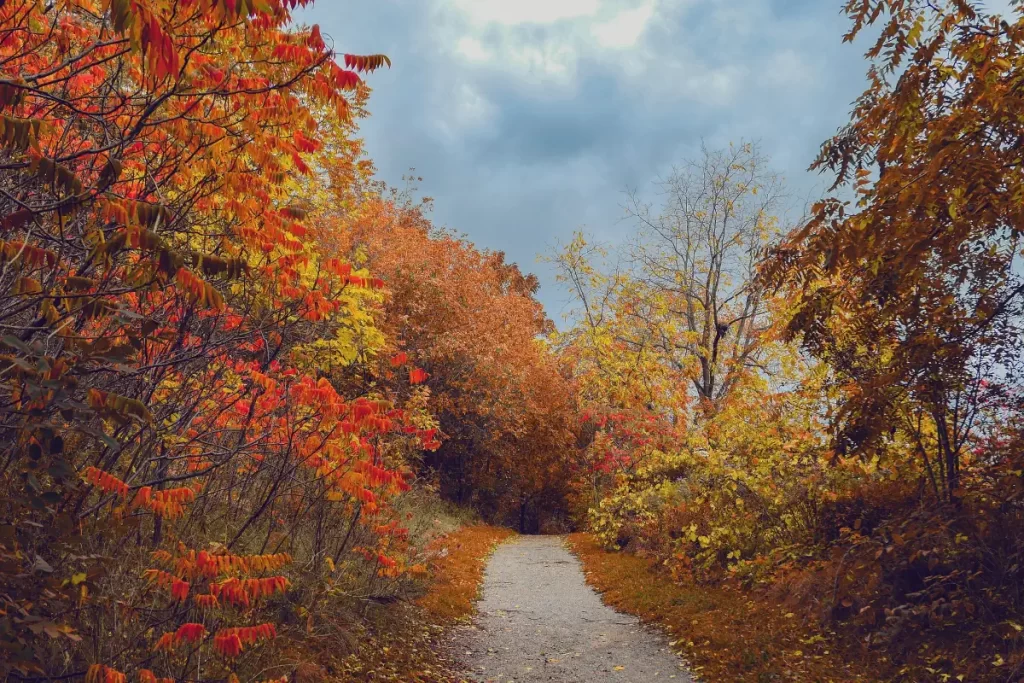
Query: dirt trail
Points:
[539, 621]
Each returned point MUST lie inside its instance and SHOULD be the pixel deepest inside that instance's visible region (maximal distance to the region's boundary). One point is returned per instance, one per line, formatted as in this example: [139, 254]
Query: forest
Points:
[262, 420]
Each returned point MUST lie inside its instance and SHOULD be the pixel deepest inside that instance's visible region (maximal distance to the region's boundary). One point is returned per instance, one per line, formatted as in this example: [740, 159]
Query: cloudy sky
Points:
[528, 118]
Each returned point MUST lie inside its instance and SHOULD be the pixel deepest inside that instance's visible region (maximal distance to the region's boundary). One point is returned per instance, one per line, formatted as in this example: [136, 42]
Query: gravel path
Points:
[539, 621]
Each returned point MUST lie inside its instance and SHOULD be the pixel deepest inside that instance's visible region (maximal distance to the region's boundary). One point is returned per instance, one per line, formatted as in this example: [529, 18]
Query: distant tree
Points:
[696, 262]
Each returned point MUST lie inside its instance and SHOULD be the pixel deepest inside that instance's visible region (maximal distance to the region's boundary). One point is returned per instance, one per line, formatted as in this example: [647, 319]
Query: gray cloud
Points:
[527, 130]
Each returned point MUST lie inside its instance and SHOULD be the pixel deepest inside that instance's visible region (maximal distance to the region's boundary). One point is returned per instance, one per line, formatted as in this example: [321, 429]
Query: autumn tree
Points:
[695, 262]
[675, 313]
[629, 400]
[470, 322]
[162, 295]
[910, 292]
[707, 490]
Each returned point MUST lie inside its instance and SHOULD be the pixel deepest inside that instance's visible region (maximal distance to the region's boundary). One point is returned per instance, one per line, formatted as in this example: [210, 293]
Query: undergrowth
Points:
[726, 633]
[401, 639]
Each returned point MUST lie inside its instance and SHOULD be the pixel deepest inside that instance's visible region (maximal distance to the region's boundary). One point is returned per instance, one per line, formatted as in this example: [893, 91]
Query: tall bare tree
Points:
[696, 257]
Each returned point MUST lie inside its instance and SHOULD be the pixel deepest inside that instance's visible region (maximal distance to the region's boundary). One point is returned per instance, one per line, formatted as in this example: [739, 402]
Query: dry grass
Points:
[726, 633]
[457, 573]
[400, 640]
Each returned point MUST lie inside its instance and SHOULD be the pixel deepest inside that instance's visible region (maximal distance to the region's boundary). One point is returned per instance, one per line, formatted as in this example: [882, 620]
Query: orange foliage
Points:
[105, 482]
[98, 673]
[456, 576]
[230, 642]
[147, 676]
[173, 286]
[724, 632]
[475, 324]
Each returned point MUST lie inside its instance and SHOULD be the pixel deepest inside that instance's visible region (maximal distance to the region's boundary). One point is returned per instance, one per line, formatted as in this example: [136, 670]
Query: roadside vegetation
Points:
[723, 632]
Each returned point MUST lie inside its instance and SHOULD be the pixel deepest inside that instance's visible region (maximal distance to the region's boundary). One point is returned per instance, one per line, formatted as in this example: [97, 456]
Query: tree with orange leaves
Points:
[470, 325]
[161, 299]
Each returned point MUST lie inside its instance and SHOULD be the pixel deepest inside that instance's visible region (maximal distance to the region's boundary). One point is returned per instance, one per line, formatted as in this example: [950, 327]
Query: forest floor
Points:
[726, 633]
[538, 620]
[407, 641]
